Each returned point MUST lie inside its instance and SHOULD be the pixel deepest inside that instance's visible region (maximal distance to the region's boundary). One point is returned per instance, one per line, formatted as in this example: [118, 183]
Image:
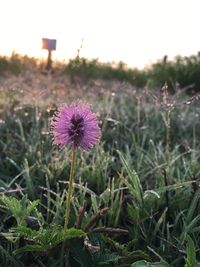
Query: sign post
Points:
[50, 45]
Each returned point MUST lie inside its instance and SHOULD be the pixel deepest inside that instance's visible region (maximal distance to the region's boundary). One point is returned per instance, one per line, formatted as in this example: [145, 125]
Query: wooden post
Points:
[49, 61]
[49, 45]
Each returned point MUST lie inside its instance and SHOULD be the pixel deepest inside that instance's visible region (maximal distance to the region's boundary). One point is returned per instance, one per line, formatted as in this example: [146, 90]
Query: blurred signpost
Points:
[50, 45]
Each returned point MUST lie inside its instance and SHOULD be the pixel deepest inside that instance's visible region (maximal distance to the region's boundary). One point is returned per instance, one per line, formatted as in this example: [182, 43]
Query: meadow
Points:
[136, 194]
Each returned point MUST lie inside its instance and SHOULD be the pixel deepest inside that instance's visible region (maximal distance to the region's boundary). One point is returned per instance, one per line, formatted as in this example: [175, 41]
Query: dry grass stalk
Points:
[95, 218]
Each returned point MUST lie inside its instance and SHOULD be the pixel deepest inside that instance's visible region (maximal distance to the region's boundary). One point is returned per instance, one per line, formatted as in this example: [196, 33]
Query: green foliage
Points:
[81, 255]
[16, 64]
[7, 258]
[133, 183]
[45, 239]
[12, 64]
[190, 259]
[19, 209]
[126, 252]
[183, 70]
[107, 259]
[148, 264]
[93, 69]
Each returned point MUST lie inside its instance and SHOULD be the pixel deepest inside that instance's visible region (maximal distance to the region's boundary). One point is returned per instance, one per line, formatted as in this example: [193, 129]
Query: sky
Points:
[137, 32]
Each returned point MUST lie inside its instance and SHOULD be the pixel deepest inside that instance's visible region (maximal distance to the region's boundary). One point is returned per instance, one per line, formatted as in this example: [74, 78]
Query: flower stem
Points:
[68, 201]
[69, 194]
[168, 126]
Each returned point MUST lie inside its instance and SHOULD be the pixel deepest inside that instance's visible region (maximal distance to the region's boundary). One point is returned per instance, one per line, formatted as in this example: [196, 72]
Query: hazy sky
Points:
[135, 31]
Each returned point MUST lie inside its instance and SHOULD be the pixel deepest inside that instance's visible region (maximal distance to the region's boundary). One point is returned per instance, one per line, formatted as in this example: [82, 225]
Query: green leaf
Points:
[190, 259]
[55, 235]
[141, 264]
[7, 259]
[107, 258]
[19, 208]
[148, 264]
[193, 207]
[46, 239]
[29, 248]
[25, 231]
[82, 255]
[133, 184]
[136, 255]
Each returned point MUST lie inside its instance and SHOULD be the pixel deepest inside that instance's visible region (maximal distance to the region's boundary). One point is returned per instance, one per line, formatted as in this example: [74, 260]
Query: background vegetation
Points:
[183, 71]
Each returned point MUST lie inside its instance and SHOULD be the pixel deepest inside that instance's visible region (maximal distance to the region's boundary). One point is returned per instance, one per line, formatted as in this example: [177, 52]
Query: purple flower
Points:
[76, 125]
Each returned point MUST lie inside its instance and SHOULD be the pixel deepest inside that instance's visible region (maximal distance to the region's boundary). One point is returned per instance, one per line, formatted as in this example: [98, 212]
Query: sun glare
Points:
[133, 31]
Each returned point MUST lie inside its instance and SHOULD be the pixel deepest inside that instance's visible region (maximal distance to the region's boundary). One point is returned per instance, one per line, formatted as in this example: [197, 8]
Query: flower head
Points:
[76, 125]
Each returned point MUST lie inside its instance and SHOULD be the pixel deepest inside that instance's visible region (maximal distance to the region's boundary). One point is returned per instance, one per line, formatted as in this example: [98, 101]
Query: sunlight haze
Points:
[137, 32]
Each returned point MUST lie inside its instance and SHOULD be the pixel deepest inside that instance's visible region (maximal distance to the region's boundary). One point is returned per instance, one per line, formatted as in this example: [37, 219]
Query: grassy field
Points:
[145, 170]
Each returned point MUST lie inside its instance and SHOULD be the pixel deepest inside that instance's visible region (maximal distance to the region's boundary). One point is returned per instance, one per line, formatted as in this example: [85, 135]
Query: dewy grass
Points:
[146, 155]
[77, 126]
